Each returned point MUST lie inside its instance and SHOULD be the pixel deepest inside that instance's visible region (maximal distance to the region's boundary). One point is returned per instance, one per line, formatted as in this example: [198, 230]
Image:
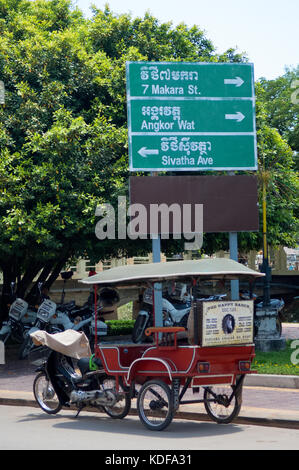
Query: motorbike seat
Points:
[83, 364]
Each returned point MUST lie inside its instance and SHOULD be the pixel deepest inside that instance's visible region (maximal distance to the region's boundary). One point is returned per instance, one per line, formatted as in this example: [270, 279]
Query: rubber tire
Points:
[169, 416]
[229, 418]
[48, 411]
[138, 334]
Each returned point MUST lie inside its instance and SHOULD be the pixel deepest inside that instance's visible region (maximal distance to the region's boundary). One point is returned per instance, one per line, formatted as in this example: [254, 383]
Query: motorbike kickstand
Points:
[79, 410]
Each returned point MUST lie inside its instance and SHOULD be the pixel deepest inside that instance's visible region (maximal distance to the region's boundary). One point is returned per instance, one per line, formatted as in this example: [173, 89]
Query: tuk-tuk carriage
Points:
[214, 352]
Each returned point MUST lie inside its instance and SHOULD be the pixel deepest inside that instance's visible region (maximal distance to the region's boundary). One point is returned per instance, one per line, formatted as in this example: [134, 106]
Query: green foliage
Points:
[277, 171]
[120, 327]
[281, 99]
[63, 132]
[276, 362]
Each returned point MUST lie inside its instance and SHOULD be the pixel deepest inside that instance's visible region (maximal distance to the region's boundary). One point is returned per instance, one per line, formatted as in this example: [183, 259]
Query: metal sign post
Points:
[158, 301]
[156, 246]
[191, 116]
[233, 249]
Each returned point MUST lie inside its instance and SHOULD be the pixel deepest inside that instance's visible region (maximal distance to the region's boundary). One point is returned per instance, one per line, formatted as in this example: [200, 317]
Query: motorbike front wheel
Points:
[45, 395]
[138, 334]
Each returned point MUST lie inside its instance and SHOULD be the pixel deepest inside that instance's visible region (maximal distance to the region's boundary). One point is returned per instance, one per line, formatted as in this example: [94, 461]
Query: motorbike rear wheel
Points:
[121, 407]
[45, 395]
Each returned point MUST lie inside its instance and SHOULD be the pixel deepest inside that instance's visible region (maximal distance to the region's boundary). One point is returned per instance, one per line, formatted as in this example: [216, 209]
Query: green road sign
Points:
[186, 116]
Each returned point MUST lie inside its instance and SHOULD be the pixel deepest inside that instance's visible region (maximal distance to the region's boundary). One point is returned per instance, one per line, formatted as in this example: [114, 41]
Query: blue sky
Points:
[267, 30]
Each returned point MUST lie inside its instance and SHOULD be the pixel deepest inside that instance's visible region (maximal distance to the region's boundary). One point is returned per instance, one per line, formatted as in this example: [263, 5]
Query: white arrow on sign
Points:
[237, 117]
[144, 152]
[234, 81]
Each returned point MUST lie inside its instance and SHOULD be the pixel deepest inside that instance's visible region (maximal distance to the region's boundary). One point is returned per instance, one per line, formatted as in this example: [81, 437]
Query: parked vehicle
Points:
[216, 356]
[55, 319]
[57, 384]
[47, 319]
[276, 304]
[52, 320]
[176, 309]
[20, 319]
[45, 312]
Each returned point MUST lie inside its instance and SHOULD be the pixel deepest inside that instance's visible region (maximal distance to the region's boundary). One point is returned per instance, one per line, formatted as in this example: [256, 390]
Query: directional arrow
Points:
[234, 81]
[237, 117]
[144, 152]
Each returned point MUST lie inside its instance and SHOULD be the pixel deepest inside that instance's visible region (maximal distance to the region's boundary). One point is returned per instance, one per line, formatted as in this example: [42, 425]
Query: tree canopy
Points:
[281, 100]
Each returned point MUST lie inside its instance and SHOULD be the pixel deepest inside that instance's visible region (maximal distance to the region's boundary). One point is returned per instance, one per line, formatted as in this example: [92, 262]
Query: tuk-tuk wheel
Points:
[154, 405]
[216, 404]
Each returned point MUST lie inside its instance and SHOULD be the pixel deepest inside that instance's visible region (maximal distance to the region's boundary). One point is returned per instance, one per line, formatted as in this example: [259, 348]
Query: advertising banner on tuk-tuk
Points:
[226, 323]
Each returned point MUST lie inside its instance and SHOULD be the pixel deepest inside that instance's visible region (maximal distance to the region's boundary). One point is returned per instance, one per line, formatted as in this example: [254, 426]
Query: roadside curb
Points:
[275, 381]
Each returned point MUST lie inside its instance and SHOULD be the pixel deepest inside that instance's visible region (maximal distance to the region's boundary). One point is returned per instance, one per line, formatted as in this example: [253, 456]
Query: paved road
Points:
[290, 330]
[30, 428]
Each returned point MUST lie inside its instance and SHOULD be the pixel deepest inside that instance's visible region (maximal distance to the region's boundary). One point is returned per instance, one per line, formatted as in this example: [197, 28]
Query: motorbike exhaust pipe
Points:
[95, 397]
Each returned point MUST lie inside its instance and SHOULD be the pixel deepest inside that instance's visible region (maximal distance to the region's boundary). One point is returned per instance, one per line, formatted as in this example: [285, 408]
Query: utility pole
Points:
[265, 266]
[233, 250]
[156, 249]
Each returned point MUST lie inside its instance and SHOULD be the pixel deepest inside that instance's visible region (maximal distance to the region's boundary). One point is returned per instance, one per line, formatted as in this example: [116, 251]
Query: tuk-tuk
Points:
[213, 352]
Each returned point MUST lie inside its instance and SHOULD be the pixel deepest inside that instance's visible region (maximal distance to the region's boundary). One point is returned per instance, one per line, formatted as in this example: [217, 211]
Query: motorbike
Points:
[54, 319]
[175, 312]
[48, 319]
[20, 319]
[276, 304]
[57, 384]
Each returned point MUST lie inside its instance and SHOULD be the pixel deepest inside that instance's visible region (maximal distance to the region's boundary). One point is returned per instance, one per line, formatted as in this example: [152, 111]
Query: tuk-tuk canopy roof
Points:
[216, 268]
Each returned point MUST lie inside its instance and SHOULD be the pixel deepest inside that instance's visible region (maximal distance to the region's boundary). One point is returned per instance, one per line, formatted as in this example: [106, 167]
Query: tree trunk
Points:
[56, 271]
[33, 295]
[9, 276]
[49, 274]
[27, 279]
